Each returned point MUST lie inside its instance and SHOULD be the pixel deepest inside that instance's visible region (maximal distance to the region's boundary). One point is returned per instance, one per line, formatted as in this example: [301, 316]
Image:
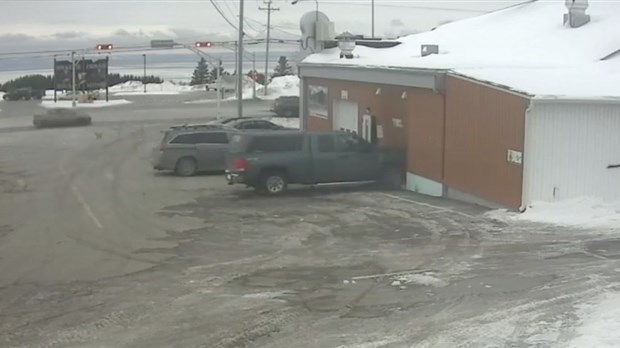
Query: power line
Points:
[223, 15]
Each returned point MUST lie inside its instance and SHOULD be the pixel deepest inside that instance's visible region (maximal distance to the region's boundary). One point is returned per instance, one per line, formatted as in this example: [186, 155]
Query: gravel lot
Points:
[99, 250]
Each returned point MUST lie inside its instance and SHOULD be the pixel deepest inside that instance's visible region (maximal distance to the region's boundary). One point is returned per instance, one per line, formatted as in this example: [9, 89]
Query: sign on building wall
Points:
[318, 101]
[515, 157]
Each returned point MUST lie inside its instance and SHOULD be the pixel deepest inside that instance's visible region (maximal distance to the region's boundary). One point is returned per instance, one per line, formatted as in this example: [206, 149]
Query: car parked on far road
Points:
[270, 161]
[286, 106]
[25, 93]
[61, 118]
[189, 149]
[249, 123]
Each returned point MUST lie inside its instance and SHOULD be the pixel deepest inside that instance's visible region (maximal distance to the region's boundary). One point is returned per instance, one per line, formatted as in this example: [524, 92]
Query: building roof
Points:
[526, 48]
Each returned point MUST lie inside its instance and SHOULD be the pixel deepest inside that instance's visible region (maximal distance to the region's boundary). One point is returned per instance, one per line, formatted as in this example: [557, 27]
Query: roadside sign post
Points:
[144, 76]
[73, 104]
[107, 65]
[54, 81]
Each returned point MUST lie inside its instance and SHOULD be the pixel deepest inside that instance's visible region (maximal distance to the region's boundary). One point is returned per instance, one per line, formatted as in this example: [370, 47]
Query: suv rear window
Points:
[201, 138]
[279, 143]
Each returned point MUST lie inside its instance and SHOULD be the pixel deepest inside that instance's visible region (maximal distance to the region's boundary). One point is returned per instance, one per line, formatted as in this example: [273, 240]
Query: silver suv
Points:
[190, 149]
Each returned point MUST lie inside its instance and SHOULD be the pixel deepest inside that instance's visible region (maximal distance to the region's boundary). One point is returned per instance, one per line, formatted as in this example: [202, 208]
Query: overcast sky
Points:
[47, 24]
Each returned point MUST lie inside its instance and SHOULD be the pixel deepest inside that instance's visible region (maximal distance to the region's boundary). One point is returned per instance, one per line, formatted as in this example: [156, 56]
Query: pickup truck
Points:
[270, 161]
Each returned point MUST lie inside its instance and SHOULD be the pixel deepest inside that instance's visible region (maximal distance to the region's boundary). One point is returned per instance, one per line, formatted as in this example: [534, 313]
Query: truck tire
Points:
[186, 166]
[391, 178]
[273, 183]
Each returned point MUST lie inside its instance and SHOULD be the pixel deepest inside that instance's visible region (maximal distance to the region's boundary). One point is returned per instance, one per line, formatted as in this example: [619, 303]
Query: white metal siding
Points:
[568, 147]
[346, 116]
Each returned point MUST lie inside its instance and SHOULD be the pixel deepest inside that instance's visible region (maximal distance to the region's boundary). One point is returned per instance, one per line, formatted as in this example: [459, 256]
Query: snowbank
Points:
[426, 279]
[63, 104]
[137, 88]
[282, 86]
[585, 212]
[287, 122]
[600, 321]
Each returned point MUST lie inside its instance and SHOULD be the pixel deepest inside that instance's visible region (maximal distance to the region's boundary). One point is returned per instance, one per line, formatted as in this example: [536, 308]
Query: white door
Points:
[345, 116]
[367, 128]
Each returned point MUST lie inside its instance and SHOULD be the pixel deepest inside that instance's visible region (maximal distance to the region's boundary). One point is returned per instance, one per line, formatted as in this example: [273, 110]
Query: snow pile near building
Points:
[67, 104]
[600, 321]
[137, 88]
[585, 212]
[425, 279]
[282, 86]
[286, 122]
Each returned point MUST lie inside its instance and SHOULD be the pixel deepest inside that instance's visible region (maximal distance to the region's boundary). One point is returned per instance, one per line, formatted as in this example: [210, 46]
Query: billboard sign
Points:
[89, 74]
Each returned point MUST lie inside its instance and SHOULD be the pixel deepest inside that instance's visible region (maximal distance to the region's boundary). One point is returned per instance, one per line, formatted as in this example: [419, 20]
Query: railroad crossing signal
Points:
[105, 47]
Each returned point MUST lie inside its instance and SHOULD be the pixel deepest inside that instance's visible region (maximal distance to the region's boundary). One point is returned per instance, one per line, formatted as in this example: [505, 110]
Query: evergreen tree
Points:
[201, 73]
[37, 82]
[213, 74]
[283, 68]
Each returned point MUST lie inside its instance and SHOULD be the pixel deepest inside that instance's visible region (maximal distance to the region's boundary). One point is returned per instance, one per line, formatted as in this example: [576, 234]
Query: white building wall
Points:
[568, 148]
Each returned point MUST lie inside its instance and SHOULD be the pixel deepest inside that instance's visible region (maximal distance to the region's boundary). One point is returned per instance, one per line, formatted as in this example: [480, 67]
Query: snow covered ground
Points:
[585, 212]
[137, 88]
[278, 87]
[95, 104]
[600, 321]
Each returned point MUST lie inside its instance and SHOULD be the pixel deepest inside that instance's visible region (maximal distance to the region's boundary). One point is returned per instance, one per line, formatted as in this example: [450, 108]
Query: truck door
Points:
[359, 161]
[327, 164]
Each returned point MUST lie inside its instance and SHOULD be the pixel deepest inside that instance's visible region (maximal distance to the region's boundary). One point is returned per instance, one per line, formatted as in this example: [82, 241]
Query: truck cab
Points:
[271, 161]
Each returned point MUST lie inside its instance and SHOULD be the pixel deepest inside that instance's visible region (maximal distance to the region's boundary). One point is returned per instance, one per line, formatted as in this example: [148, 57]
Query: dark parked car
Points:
[248, 123]
[253, 124]
[286, 106]
[61, 118]
[23, 94]
[189, 149]
[269, 161]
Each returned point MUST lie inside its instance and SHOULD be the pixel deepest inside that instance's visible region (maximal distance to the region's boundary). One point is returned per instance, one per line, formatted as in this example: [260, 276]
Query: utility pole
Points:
[240, 63]
[373, 19]
[73, 79]
[254, 75]
[269, 9]
[218, 80]
[144, 76]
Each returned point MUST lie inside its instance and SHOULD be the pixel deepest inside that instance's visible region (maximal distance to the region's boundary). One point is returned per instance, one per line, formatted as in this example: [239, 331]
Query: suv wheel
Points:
[274, 183]
[186, 167]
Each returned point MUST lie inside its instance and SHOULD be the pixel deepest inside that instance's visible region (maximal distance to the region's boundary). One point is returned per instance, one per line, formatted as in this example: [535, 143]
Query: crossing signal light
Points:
[204, 44]
[102, 47]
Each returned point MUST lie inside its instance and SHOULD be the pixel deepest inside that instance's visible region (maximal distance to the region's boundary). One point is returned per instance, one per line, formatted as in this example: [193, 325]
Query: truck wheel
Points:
[186, 166]
[273, 183]
[391, 178]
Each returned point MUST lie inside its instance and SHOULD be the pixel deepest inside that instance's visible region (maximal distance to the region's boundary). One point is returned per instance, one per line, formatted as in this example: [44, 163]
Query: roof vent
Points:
[346, 42]
[576, 15]
[429, 49]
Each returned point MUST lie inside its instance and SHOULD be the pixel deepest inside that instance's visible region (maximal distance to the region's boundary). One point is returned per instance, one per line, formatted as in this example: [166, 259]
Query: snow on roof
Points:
[599, 80]
[525, 47]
